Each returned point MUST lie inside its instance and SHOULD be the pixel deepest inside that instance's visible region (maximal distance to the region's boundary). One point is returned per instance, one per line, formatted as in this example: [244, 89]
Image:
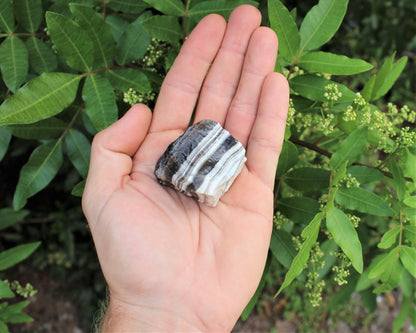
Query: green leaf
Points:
[9, 217]
[287, 159]
[410, 165]
[16, 254]
[38, 172]
[350, 149]
[313, 87]
[282, 248]
[339, 173]
[303, 255]
[13, 313]
[78, 189]
[398, 179]
[283, 23]
[100, 101]
[221, 7]
[133, 42]
[300, 210]
[78, 150]
[99, 32]
[117, 26]
[14, 62]
[6, 16]
[321, 23]
[364, 281]
[410, 201]
[389, 238]
[28, 14]
[125, 78]
[5, 138]
[365, 175]
[168, 7]
[308, 179]
[41, 57]
[408, 258]
[363, 201]
[50, 128]
[324, 62]
[399, 321]
[384, 264]
[3, 326]
[5, 292]
[72, 42]
[410, 233]
[166, 28]
[345, 235]
[40, 98]
[128, 6]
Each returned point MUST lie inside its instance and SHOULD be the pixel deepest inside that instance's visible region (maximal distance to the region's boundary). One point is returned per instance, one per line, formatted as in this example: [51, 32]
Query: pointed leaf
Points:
[308, 179]
[398, 179]
[50, 128]
[5, 138]
[408, 258]
[72, 42]
[5, 292]
[350, 149]
[128, 6]
[125, 78]
[363, 201]
[28, 14]
[41, 57]
[221, 7]
[14, 62]
[367, 91]
[16, 254]
[410, 165]
[133, 43]
[100, 101]
[324, 62]
[78, 149]
[282, 247]
[169, 7]
[345, 235]
[300, 210]
[365, 175]
[321, 23]
[164, 27]
[78, 189]
[117, 26]
[9, 217]
[302, 256]
[287, 159]
[283, 23]
[6, 16]
[40, 98]
[99, 32]
[389, 238]
[313, 87]
[38, 172]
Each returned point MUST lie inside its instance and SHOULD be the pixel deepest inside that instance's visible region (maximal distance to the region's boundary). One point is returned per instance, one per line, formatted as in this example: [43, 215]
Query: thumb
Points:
[111, 158]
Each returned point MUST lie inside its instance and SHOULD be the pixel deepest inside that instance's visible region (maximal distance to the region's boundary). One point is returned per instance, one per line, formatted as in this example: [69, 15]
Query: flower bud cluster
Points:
[314, 285]
[132, 97]
[27, 291]
[332, 92]
[342, 270]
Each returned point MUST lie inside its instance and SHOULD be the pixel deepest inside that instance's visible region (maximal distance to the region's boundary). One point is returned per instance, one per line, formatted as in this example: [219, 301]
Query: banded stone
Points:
[202, 163]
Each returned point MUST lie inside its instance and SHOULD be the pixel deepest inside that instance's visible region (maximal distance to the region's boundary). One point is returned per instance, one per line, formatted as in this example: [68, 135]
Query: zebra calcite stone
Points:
[202, 163]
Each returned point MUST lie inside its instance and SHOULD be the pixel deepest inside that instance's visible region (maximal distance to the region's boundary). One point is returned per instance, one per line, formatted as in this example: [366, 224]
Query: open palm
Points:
[171, 262]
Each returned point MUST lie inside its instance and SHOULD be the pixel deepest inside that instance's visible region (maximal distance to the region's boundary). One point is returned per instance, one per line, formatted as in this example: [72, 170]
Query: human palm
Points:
[170, 261]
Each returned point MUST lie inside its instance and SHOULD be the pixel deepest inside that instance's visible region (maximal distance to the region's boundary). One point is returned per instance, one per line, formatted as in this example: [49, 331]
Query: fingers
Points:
[259, 62]
[222, 80]
[266, 138]
[111, 160]
[182, 84]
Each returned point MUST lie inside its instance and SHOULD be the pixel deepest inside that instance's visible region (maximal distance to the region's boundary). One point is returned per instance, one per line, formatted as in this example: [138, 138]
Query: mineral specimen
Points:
[202, 163]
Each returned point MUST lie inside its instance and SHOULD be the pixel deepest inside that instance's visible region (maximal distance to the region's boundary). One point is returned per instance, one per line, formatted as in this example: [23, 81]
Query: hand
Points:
[170, 262]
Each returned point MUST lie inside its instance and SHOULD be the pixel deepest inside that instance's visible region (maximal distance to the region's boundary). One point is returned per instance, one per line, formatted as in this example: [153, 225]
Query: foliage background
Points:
[372, 31]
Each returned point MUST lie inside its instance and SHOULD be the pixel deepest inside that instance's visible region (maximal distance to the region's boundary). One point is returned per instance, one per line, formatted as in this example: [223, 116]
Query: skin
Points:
[171, 263]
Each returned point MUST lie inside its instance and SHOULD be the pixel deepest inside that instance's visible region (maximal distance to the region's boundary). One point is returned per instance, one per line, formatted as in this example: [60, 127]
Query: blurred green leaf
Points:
[321, 23]
[9, 217]
[325, 62]
[283, 23]
[384, 264]
[302, 256]
[221, 7]
[398, 179]
[78, 150]
[125, 78]
[401, 317]
[5, 292]
[363, 201]
[5, 138]
[40, 98]
[389, 238]
[38, 172]
[288, 157]
[50, 128]
[345, 235]
[6, 16]
[78, 189]
[350, 149]
[282, 247]
[41, 57]
[28, 13]
[133, 43]
[410, 233]
[308, 179]
[128, 6]
[14, 62]
[117, 26]
[99, 32]
[410, 165]
[364, 174]
[168, 7]
[410, 201]
[100, 101]
[313, 87]
[300, 210]
[72, 42]
[16, 254]
[14, 315]
[408, 258]
[163, 27]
